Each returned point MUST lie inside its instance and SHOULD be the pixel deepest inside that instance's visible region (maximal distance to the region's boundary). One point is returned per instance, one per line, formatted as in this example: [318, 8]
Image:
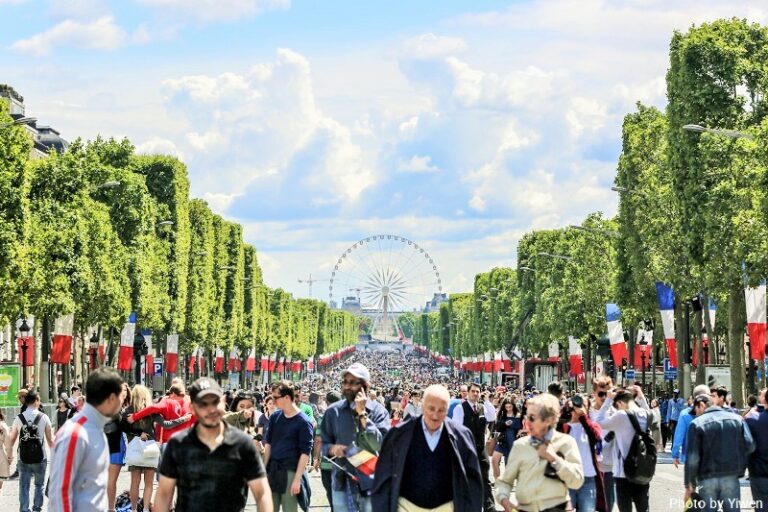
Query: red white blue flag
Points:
[756, 321]
[125, 355]
[61, 348]
[666, 298]
[172, 353]
[616, 334]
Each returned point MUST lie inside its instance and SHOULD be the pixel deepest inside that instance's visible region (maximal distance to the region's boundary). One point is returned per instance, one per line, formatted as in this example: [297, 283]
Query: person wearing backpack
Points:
[631, 426]
[33, 429]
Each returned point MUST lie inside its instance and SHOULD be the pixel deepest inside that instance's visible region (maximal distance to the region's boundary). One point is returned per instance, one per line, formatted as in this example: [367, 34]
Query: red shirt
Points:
[169, 409]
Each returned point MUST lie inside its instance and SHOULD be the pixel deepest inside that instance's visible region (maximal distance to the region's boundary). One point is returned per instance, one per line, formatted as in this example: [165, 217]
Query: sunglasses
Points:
[530, 417]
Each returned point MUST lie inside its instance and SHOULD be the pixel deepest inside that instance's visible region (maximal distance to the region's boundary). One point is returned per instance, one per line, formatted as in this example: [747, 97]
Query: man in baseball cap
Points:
[222, 457]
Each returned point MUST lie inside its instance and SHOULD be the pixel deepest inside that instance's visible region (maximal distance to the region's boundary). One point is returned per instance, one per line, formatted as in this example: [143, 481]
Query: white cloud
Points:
[219, 202]
[417, 164]
[159, 146]
[101, 34]
[208, 11]
[430, 46]
[245, 127]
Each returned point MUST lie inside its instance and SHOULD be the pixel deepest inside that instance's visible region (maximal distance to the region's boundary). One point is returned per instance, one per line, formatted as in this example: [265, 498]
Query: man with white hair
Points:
[681, 432]
[428, 463]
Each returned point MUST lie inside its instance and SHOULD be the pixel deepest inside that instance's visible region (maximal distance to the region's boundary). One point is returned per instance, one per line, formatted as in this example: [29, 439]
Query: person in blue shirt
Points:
[681, 433]
[676, 405]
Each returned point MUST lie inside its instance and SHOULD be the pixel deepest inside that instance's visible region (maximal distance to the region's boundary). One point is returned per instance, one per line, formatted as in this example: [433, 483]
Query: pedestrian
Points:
[144, 429]
[758, 460]
[287, 446]
[33, 429]
[64, 411]
[80, 456]
[353, 420]
[117, 447]
[601, 385]
[663, 406]
[718, 447]
[676, 405]
[587, 434]
[681, 431]
[544, 465]
[211, 466]
[413, 407]
[428, 463]
[6, 450]
[507, 426]
[74, 393]
[244, 415]
[325, 467]
[472, 414]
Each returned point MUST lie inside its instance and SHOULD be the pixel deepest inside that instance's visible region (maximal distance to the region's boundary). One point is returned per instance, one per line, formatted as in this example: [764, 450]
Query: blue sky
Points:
[459, 125]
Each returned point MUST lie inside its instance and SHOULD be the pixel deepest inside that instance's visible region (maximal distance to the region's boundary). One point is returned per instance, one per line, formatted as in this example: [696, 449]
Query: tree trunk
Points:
[700, 378]
[680, 343]
[736, 342]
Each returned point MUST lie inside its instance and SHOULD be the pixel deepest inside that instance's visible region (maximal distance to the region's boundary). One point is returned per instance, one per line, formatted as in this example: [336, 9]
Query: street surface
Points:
[666, 490]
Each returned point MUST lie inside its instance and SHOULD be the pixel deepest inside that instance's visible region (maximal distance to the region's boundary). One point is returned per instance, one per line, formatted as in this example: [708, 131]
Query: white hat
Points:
[359, 371]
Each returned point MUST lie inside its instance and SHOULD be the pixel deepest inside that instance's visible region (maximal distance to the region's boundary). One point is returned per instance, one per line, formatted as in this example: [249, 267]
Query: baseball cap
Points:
[359, 371]
[675, 391]
[203, 387]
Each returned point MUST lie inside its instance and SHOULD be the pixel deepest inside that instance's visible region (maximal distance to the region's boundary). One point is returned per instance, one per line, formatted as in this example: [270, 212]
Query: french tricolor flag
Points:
[264, 362]
[616, 333]
[310, 365]
[666, 298]
[218, 363]
[553, 351]
[574, 356]
[234, 361]
[61, 349]
[756, 321]
[172, 353]
[192, 360]
[704, 333]
[149, 358]
[250, 363]
[125, 355]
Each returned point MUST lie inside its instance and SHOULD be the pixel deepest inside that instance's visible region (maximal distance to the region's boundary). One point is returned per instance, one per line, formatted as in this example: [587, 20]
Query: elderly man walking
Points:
[354, 420]
[428, 463]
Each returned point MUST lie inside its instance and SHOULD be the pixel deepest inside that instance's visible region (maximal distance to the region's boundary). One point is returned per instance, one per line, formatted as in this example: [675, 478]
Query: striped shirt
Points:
[79, 461]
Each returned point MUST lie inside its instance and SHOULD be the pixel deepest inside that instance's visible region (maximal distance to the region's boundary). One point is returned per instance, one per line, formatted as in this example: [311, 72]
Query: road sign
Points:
[630, 374]
[670, 372]
[157, 370]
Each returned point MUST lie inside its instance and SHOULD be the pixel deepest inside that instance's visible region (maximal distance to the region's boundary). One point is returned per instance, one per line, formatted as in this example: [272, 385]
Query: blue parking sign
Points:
[157, 369]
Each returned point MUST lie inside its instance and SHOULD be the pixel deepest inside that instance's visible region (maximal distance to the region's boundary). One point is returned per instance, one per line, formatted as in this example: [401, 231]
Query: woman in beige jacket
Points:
[530, 458]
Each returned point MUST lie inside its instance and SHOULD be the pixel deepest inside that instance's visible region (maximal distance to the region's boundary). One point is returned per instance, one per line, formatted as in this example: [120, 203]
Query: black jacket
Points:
[467, 482]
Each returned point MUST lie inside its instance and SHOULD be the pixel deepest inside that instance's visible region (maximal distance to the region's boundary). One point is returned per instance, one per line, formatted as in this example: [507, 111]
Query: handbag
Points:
[143, 454]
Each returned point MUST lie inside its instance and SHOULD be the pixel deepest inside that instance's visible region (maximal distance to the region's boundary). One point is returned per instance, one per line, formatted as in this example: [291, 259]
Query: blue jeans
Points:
[723, 491]
[341, 504]
[26, 471]
[759, 486]
[584, 499]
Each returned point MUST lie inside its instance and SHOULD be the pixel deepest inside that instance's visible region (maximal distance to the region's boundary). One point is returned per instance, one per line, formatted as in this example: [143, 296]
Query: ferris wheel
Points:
[386, 275]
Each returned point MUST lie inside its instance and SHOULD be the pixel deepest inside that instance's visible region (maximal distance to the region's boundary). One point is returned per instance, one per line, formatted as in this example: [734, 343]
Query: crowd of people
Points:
[386, 432]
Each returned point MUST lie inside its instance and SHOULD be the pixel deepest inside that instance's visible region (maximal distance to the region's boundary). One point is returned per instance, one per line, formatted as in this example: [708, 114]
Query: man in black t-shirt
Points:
[212, 463]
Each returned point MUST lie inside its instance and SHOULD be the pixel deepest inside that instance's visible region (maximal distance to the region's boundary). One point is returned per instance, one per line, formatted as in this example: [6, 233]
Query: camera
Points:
[258, 437]
[577, 401]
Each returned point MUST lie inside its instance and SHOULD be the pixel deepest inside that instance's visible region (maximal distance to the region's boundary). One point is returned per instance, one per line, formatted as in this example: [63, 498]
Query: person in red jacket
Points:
[170, 408]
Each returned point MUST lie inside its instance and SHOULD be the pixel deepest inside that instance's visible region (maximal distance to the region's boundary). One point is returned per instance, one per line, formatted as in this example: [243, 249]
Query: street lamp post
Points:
[19, 121]
[24, 342]
[733, 134]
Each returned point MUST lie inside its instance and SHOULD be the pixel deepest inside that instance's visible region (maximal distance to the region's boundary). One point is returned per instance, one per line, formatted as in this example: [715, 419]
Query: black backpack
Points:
[31, 441]
[640, 463]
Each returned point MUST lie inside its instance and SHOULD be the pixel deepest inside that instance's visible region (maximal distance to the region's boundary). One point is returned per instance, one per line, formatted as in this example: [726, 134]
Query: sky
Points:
[459, 126]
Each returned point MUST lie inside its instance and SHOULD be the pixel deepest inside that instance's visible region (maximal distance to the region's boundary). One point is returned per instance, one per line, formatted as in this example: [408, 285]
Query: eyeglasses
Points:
[346, 382]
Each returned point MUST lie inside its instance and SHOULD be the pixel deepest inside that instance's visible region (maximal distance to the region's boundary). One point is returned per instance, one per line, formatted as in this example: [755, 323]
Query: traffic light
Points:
[140, 345]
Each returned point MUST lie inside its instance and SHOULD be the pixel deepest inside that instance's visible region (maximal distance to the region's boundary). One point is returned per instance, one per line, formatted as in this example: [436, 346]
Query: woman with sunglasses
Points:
[545, 464]
[508, 424]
